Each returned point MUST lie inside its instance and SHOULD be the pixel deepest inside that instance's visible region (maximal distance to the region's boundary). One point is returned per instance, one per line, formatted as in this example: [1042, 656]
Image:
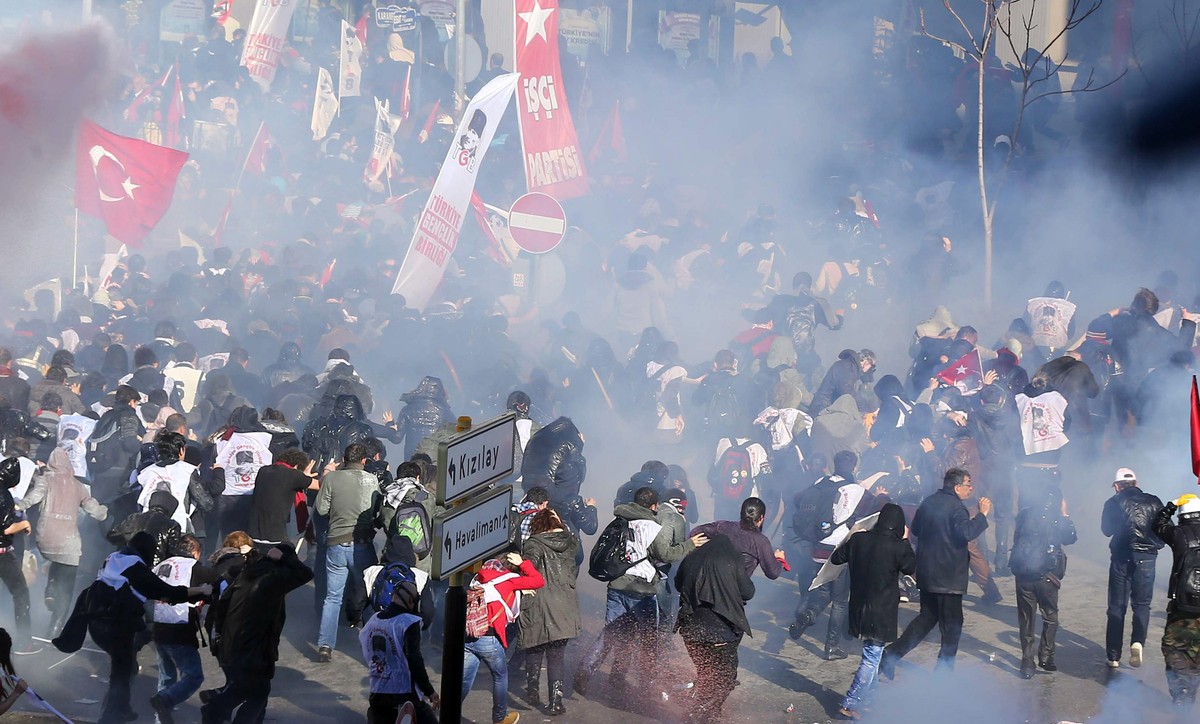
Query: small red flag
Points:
[423, 136]
[1195, 429]
[219, 232]
[966, 373]
[612, 135]
[360, 29]
[256, 157]
[175, 113]
[124, 181]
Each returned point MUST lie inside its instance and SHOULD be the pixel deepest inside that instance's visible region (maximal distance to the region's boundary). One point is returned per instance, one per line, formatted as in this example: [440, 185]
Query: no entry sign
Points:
[537, 223]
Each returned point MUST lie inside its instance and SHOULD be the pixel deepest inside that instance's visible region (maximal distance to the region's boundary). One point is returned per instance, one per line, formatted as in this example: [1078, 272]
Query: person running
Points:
[1039, 563]
[180, 673]
[943, 528]
[1181, 636]
[550, 619]
[12, 523]
[1128, 521]
[875, 560]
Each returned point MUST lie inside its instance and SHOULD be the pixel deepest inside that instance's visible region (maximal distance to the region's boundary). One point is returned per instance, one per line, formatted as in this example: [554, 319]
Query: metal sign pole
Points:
[454, 638]
[460, 59]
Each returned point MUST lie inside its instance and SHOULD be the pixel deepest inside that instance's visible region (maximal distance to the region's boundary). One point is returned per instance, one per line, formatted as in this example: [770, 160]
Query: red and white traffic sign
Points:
[537, 223]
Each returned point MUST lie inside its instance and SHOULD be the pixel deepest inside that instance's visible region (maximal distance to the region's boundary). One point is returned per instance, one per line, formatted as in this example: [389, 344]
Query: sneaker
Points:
[1114, 664]
[324, 655]
[512, 718]
[161, 711]
[834, 653]
[1135, 655]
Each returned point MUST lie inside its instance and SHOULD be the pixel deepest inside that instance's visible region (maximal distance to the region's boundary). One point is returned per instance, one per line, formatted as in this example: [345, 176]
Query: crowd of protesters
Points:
[213, 408]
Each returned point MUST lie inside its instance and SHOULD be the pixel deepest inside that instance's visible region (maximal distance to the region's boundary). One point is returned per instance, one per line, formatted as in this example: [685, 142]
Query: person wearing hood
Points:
[519, 404]
[502, 581]
[113, 612]
[1039, 564]
[895, 408]
[554, 460]
[158, 520]
[632, 598]
[875, 560]
[61, 496]
[997, 433]
[391, 644]
[217, 402]
[1074, 380]
[714, 587]
[944, 527]
[117, 438]
[1181, 635]
[838, 428]
[248, 621]
[248, 385]
[425, 408]
[287, 368]
[550, 619]
[1097, 353]
[637, 301]
[397, 553]
[843, 378]
[146, 377]
[12, 523]
[338, 367]
[929, 347]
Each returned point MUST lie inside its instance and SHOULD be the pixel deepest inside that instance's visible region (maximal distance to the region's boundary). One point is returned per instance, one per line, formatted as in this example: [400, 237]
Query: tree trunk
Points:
[983, 193]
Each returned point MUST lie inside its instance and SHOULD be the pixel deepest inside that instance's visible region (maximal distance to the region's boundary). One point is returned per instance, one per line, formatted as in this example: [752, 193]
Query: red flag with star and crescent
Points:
[966, 373]
[126, 182]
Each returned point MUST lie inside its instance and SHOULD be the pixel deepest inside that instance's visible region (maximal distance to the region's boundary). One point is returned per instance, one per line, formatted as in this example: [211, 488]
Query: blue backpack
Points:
[391, 576]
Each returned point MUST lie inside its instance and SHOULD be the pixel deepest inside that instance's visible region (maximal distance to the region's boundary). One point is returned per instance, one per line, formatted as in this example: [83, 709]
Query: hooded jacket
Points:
[61, 496]
[877, 558]
[943, 528]
[157, 522]
[552, 614]
[894, 411]
[287, 368]
[425, 409]
[1181, 538]
[1073, 380]
[713, 590]
[554, 460]
[841, 379]
[638, 303]
[839, 427]
[251, 612]
[10, 476]
[1041, 532]
[651, 542]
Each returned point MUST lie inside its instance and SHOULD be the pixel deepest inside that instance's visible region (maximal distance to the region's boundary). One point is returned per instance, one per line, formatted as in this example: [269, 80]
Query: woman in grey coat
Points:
[61, 496]
[550, 617]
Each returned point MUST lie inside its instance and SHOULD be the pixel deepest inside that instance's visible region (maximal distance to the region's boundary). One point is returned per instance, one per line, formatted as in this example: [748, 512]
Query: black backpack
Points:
[104, 451]
[643, 398]
[813, 518]
[609, 559]
[723, 414]
[1187, 583]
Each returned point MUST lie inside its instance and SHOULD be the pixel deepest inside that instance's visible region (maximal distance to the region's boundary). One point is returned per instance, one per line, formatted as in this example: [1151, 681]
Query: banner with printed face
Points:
[325, 105]
[436, 235]
[553, 163]
[265, 38]
[385, 142]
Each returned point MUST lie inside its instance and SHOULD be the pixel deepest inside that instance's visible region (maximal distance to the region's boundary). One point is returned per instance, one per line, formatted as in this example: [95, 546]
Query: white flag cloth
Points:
[385, 142]
[436, 235]
[350, 68]
[325, 107]
[829, 571]
[265, 39]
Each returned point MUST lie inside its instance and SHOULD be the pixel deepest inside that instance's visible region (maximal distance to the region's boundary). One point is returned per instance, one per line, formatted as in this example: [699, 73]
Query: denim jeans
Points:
[865, 677]
[1130, 582]
[628, 619]
[488, 650]
[180, 673]
[344, 564]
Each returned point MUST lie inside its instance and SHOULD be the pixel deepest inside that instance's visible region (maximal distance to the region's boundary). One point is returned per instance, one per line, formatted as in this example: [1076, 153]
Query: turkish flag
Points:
[612, 136]
[1195, 429]
[966, 373]
[257, 159]
[124, 181]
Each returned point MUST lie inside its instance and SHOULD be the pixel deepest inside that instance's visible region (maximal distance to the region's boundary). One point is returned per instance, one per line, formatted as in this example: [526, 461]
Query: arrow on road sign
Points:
[451, 472]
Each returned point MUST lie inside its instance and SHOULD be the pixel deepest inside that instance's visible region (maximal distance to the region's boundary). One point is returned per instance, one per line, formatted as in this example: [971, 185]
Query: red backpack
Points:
[731, 474]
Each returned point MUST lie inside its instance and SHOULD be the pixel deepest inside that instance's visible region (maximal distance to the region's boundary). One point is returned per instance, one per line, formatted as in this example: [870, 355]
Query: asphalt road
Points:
[775, 673]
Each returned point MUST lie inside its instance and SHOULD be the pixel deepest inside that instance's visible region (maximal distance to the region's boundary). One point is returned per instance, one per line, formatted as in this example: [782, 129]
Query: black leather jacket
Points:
[1128, 519]
[424, 411]
[157, 522]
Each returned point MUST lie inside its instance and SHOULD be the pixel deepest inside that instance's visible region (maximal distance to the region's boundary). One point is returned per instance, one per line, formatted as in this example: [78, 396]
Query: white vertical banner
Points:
[265, 38]
[436, 235]
[325, 107]
[385, 141]
[350, 68]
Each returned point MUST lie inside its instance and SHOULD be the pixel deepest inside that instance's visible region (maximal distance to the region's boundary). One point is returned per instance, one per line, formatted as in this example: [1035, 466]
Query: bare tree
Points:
[1175, 34]
[1034, 68]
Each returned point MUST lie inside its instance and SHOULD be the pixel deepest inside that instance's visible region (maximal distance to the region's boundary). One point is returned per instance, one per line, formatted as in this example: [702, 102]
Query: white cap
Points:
[1125, 475]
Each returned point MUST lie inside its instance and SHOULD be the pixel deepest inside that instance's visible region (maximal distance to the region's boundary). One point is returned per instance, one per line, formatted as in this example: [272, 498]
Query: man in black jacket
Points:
[1039, 563]
[843, 378]
[117, 438]
[1181, 636]
[1128, 519]
[943, 528]
[249, 621]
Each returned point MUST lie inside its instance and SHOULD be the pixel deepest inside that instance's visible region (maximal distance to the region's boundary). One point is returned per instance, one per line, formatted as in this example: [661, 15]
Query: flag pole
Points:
[75, 253]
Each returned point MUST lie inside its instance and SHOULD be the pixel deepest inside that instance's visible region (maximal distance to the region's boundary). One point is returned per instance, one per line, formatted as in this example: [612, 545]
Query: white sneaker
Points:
[1114, 664]
[1135, 655]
